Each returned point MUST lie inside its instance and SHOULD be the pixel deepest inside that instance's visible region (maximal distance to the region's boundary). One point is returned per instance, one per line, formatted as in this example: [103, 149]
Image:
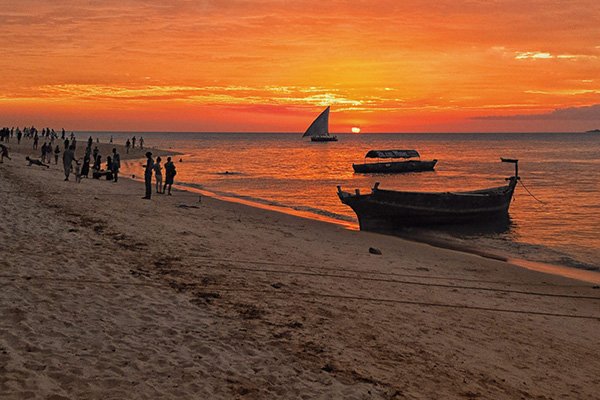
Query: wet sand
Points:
[105, 295]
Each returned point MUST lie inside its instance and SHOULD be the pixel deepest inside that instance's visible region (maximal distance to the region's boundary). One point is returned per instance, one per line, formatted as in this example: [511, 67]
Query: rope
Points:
[367, 271]
[531, 194]
[306, 296]
[398, 281]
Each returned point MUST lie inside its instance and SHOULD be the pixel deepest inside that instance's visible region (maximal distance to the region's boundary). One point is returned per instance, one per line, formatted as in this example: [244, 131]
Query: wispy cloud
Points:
[543, 55]
[284, 95]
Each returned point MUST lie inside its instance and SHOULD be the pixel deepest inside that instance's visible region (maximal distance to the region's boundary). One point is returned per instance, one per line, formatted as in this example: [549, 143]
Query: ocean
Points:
[554, 218]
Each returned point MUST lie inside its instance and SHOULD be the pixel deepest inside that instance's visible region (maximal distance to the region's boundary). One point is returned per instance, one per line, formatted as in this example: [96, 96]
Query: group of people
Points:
[92, 157]
[151, 167]
[29, 132]
[82, 169]
[48, 151]
[131, 143]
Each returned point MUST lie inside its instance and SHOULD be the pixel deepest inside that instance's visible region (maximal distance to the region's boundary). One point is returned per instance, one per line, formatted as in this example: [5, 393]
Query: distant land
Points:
[593, 131]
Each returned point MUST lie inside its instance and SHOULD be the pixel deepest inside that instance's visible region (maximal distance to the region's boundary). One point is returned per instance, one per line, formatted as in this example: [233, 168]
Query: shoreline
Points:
[539, 266]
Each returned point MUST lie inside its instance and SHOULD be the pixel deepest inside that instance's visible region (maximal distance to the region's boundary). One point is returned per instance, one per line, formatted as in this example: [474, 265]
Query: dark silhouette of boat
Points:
[324, 138]
[388, 210]
[394, 167]
[318, 131]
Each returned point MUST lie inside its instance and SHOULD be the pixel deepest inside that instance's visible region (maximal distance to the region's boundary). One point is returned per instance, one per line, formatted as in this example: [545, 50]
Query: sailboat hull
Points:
[323, 139]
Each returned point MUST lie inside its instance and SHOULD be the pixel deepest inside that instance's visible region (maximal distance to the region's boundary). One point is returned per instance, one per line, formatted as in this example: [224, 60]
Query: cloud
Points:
[544, 55]
[587, 113]
[278, 95]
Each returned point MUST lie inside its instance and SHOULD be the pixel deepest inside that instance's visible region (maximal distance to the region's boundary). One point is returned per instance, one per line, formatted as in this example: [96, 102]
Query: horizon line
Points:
[338, 133]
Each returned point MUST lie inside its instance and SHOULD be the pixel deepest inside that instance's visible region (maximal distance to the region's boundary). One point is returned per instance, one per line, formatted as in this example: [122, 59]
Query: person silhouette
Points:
[158, 175]
[148, 175]
[68, 157]
[3, 153]
[33, 161]
[170, 173]
[116, 164]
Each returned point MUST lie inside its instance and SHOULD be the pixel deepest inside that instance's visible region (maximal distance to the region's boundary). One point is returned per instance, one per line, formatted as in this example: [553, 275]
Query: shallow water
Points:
[561, 225]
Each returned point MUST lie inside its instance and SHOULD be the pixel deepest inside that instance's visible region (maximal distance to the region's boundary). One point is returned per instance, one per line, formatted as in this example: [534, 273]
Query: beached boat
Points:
[394, 167]
[387, 210]
[318, 131]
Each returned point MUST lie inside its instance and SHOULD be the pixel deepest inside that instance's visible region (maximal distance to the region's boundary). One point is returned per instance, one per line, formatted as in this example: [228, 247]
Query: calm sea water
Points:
[561, 226]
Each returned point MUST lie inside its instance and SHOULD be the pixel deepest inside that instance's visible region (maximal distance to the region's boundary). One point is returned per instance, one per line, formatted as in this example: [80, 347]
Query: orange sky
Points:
[273, 65]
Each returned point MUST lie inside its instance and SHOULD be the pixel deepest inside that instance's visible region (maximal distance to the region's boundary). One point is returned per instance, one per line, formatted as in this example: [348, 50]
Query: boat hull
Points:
[323, 139]
[395, 167]
[387, 210]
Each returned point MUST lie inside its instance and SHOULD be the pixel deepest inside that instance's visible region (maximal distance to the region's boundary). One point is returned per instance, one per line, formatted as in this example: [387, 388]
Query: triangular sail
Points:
[320, 126]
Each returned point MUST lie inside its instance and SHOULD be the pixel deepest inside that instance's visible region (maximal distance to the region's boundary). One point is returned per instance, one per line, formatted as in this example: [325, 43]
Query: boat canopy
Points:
[392, 154]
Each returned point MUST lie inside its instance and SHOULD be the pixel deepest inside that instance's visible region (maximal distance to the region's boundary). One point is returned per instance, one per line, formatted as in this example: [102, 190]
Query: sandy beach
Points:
[105, 295]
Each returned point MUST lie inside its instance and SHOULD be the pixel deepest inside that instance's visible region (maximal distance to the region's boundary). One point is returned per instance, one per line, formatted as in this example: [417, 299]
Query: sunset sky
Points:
[269, 65]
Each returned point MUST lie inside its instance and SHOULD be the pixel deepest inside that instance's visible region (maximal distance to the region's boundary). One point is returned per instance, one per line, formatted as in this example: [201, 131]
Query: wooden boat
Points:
[318, 131]
[387, 210]
[394, 167]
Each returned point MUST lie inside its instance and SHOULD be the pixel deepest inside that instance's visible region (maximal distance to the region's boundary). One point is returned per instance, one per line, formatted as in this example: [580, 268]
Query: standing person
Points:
[44, 150]
[68, 157]
[109, 174]
[141, 142]
[170, 173]
[85, 169]
[77, 171]
[148, 175]
[19, 136]
[49, 151]
[97, 163]
[127, 145]
[56, 154]
[95, 152]
[110, 139]
[116, 164]
[157, 173]
[35, 141]
[133, 143]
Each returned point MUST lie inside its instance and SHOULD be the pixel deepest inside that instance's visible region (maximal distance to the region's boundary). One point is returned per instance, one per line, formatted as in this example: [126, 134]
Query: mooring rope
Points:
[531, 194]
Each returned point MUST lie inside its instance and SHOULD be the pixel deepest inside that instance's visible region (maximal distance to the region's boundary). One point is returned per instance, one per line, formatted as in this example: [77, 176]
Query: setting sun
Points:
[355, 129]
